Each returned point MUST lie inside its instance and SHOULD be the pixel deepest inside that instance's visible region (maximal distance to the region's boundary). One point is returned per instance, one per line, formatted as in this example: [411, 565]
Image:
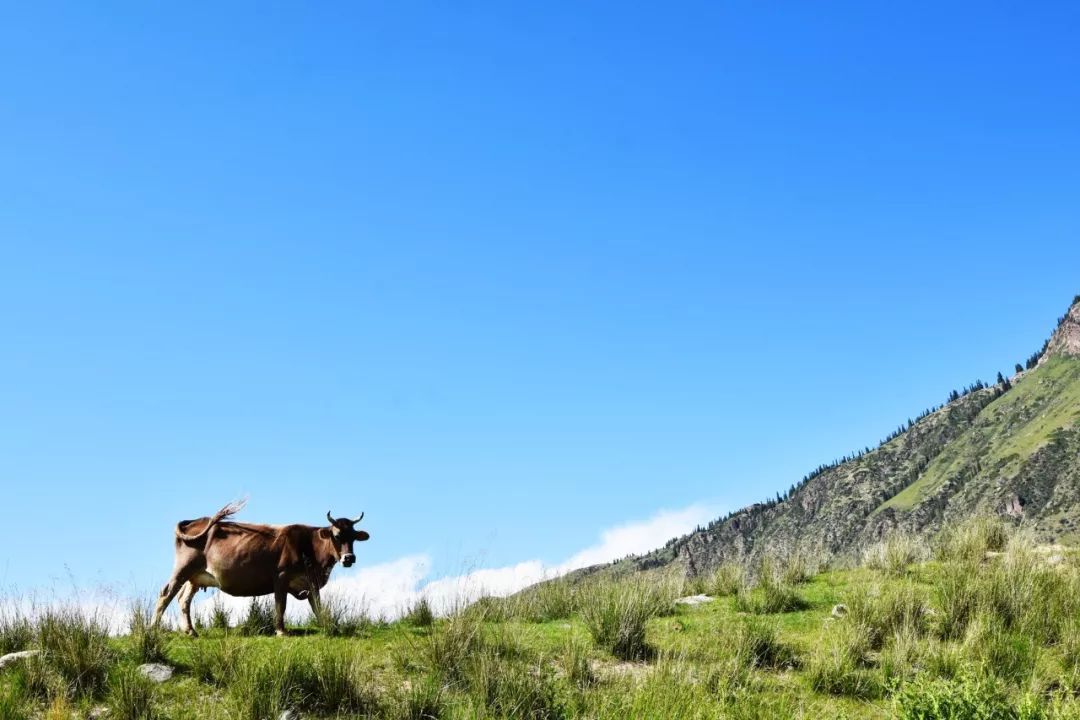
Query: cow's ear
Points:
[324, 533]
[362, 536]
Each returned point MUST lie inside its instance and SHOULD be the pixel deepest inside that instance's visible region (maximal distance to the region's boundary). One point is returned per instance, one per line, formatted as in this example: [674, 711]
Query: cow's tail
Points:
[222, 514]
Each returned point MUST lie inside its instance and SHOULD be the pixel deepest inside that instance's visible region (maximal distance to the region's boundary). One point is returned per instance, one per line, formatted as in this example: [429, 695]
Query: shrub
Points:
[616, 613]
[148, 641]
[969, 697]
[75, 646]
[131, 695]
[259, 619]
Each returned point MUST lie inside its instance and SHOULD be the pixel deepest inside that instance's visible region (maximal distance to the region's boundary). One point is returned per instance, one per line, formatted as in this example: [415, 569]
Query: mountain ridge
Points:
[1010, 449]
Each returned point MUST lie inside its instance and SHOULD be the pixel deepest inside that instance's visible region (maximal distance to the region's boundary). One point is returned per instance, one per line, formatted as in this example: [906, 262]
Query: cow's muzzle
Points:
[348, 559]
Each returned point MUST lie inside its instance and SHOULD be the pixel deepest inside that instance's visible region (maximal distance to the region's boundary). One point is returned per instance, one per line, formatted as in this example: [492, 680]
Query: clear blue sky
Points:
[502, 274]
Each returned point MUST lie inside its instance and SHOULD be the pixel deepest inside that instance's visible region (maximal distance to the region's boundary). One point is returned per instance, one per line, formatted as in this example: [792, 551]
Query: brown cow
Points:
[248, 560]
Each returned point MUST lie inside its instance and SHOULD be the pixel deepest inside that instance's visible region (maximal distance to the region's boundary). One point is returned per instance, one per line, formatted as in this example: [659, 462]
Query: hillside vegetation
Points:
[985, 626]
[1010, 449]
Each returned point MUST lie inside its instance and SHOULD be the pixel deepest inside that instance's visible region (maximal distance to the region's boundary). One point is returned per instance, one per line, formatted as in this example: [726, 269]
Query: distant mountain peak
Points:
[1066, 338]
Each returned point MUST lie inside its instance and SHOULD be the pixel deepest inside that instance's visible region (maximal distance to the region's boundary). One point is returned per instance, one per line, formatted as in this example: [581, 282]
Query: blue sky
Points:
[502, 275]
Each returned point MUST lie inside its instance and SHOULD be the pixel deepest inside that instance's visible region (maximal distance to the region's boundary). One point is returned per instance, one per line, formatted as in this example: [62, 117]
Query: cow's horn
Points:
[358, 519]
[330, 517]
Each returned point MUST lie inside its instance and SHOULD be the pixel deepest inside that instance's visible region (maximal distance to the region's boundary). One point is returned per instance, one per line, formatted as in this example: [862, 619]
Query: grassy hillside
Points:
[988, 626]
[1039, 408]
[1010, 449]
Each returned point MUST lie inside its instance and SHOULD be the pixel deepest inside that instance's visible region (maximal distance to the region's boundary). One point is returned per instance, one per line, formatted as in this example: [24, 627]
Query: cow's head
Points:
[343, 533]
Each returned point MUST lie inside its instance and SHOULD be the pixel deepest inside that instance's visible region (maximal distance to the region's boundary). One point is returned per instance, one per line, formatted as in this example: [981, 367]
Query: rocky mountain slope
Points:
[1011, 449]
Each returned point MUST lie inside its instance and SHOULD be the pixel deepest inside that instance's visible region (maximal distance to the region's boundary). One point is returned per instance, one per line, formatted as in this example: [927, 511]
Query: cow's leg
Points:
[171, 588]
[184, 600]
[281, 594]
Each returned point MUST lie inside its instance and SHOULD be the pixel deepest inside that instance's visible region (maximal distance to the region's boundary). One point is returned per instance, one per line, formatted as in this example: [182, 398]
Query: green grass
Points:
[964, 636]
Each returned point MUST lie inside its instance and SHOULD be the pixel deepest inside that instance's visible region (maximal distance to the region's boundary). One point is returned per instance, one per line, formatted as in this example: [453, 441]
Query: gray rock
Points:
[98, 713]
[693, 600]
[156, 671]
[839, 610]
[12, 658]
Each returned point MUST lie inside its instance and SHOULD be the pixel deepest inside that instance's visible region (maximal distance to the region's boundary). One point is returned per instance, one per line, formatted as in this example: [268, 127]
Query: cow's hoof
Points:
[190, 632]
[281, 633]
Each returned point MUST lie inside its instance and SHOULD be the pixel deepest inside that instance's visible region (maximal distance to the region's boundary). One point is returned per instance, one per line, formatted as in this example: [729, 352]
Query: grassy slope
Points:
[1007, 432]
[694, 670]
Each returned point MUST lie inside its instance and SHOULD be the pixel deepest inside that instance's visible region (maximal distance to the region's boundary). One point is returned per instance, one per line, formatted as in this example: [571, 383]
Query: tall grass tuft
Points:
[576, 666]
[13, 704]
[1010, 656]
[215, 661]
[16, 630]
[131, 695]
[260, 688]
[838, 667]
[774, 593]
[616, 613]
[970, 540]
[148, 641]
[335, 617]
[555, 599]
[727, 579]
[420, 614]
[515, 689]
[334, 682]
[895, 554]
[453, 643]
[259, 619]
[424, 699]
[75, 645]
[219, 614]
[882, 611]
[329, 683]
[756, 643]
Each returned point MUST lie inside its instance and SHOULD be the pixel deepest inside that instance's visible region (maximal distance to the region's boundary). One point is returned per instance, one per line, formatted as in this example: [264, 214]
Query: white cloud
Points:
[390, 588]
